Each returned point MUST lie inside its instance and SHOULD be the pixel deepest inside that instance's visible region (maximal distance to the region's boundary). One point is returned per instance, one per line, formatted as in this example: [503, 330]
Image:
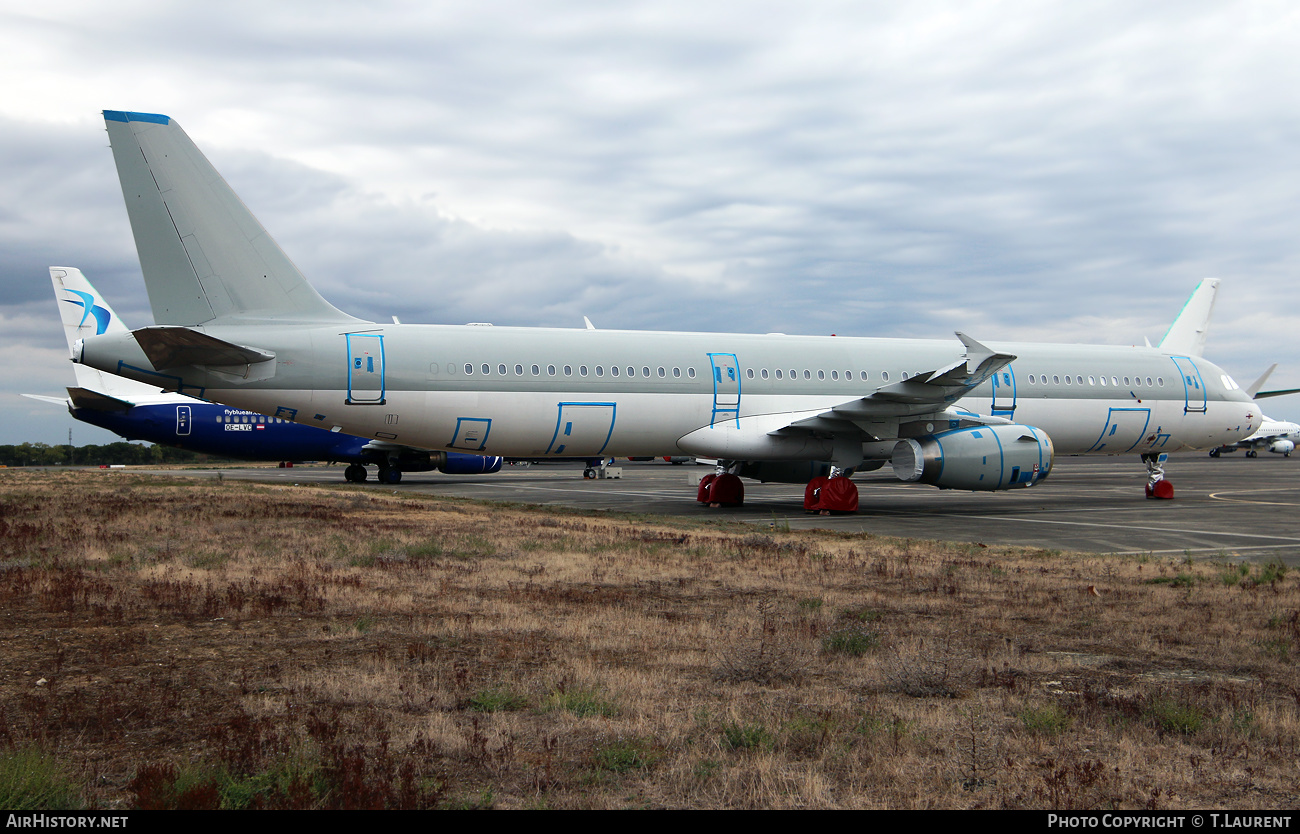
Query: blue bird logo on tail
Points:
[87, 303]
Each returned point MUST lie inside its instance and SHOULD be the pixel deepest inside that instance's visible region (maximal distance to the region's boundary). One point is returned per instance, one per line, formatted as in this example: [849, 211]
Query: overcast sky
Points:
[1020, 170]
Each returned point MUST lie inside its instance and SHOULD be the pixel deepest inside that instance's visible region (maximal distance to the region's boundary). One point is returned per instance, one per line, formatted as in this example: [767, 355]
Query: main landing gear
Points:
[831, 494]
[355, 473]
[601, 468]
[722, 487]
[826, 494]
[1157, 486]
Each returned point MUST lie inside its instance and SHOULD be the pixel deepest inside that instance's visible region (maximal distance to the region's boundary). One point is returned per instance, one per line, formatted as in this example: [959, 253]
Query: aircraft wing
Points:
[1261, 395]
[925, 393]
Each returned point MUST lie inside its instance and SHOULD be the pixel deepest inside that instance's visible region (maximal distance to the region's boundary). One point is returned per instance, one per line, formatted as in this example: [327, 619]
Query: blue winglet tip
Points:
[128, 116]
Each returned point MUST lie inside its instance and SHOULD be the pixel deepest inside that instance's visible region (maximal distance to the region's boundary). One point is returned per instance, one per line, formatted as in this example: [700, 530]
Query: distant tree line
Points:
[43, 454]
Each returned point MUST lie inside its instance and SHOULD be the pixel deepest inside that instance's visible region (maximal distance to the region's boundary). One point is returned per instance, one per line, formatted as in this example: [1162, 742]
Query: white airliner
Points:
[1277, 436]
[238, 323]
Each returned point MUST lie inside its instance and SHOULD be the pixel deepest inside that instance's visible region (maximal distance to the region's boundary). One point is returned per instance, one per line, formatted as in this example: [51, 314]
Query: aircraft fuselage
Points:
[526, 392]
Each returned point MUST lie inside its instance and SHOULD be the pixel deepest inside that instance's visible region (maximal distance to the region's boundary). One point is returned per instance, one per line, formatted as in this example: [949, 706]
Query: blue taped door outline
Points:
[583, 429]
[1004, 392]
[365, 368]
[1124, 429]
[726, 387]
[1193, 384]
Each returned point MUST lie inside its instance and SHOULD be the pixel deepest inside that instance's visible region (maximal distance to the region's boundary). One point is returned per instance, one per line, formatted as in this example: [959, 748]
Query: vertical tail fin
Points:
[85, 313]
[203, 253]
[1186, 336]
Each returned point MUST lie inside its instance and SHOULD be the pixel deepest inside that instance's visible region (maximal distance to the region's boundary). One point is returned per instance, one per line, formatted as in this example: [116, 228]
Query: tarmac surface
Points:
[1230, 506]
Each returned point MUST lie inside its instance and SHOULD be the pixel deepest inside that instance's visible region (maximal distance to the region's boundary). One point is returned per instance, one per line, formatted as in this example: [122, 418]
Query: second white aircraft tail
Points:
[84, 312]
[1186, 336]
[203, 253]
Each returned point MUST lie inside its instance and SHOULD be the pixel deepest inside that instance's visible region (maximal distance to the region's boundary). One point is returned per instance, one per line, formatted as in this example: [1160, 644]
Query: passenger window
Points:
[469, 369]
[690, 372]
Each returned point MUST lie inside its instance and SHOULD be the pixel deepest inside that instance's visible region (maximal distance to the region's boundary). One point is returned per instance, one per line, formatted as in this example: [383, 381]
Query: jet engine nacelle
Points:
[1282, 447]
[796, 471]
[976, 458]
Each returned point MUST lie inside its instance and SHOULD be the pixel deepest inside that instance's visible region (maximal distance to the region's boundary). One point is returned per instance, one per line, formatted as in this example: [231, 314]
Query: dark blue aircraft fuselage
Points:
[229, 432]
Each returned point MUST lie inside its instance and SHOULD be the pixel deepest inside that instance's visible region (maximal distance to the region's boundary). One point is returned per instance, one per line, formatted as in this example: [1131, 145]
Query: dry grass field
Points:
[170, 643]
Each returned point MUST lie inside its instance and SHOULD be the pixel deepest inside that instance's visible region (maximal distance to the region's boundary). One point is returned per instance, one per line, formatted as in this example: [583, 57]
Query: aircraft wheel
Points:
[1252, 453]
[1214, 453]
[355, 473]
[589, 474]
[1162, 490]
[390, 475]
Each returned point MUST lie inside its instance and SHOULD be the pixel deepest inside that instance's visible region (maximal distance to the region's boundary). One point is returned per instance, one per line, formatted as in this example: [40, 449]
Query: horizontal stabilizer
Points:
[45, 399]
[173, 347]
[96, 401]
